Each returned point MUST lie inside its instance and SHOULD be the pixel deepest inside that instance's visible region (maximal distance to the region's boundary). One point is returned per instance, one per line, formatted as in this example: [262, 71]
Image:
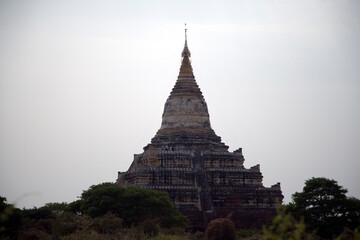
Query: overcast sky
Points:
[83, 85]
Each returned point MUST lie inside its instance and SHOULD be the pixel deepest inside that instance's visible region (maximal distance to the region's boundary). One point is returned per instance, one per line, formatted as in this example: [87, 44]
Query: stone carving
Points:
[188, 160]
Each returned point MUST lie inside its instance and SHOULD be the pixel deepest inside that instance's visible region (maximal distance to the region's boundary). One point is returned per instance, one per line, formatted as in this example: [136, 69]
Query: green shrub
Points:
[245, 233]
[169, 237]
[284, 227]
[348, 234]
[151, 227]
[108, 224]
[198, 236]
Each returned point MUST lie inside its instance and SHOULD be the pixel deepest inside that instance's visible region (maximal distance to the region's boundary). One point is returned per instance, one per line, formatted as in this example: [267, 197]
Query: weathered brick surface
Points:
[188, 160]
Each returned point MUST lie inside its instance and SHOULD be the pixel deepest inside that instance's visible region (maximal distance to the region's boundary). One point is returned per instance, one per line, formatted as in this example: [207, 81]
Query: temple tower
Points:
[188, 160]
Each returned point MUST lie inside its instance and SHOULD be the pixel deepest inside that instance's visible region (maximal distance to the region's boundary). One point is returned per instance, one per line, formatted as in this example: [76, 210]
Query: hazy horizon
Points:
[83, 85]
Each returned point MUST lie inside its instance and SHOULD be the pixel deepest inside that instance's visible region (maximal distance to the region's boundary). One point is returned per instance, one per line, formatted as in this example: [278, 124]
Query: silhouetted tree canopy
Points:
[49, 210]
[325, 207]
[132, 204]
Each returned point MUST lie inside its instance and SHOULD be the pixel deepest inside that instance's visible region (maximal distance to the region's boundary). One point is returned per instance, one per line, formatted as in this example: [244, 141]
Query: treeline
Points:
[108, 211]
[104, 211]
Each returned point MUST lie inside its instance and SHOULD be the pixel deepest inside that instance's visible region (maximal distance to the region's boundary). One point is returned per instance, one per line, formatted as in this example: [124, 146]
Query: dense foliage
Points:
[325, 208]
[283, 227]
[103, 211]
[10, 219]
[132, 204]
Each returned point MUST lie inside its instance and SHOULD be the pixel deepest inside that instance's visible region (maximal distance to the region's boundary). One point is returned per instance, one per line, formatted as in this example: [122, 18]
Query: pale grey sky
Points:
[83, 85]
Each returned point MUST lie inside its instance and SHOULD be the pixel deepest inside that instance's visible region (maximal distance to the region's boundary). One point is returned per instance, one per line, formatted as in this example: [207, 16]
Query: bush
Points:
[65, 224]
[151, 227]
[108, 224]
[245, 233]
[198, 236]
[169, 237]
[284, 226]
[220, 229]
[348, 234]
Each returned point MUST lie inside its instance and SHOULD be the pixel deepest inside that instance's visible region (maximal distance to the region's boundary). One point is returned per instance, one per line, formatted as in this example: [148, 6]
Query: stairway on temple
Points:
[204, 191]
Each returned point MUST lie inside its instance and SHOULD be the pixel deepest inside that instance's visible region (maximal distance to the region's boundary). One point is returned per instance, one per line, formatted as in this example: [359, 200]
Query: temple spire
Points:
[186, 51]
[185, 64]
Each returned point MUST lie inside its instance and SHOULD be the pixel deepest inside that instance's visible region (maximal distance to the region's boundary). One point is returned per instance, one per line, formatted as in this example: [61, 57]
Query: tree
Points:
[10, 219]
[325, 207]
[49, 210]
[132, 204]
[101, 199]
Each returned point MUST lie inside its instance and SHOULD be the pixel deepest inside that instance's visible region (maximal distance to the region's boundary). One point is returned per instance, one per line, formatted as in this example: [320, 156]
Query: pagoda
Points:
[189, 161]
